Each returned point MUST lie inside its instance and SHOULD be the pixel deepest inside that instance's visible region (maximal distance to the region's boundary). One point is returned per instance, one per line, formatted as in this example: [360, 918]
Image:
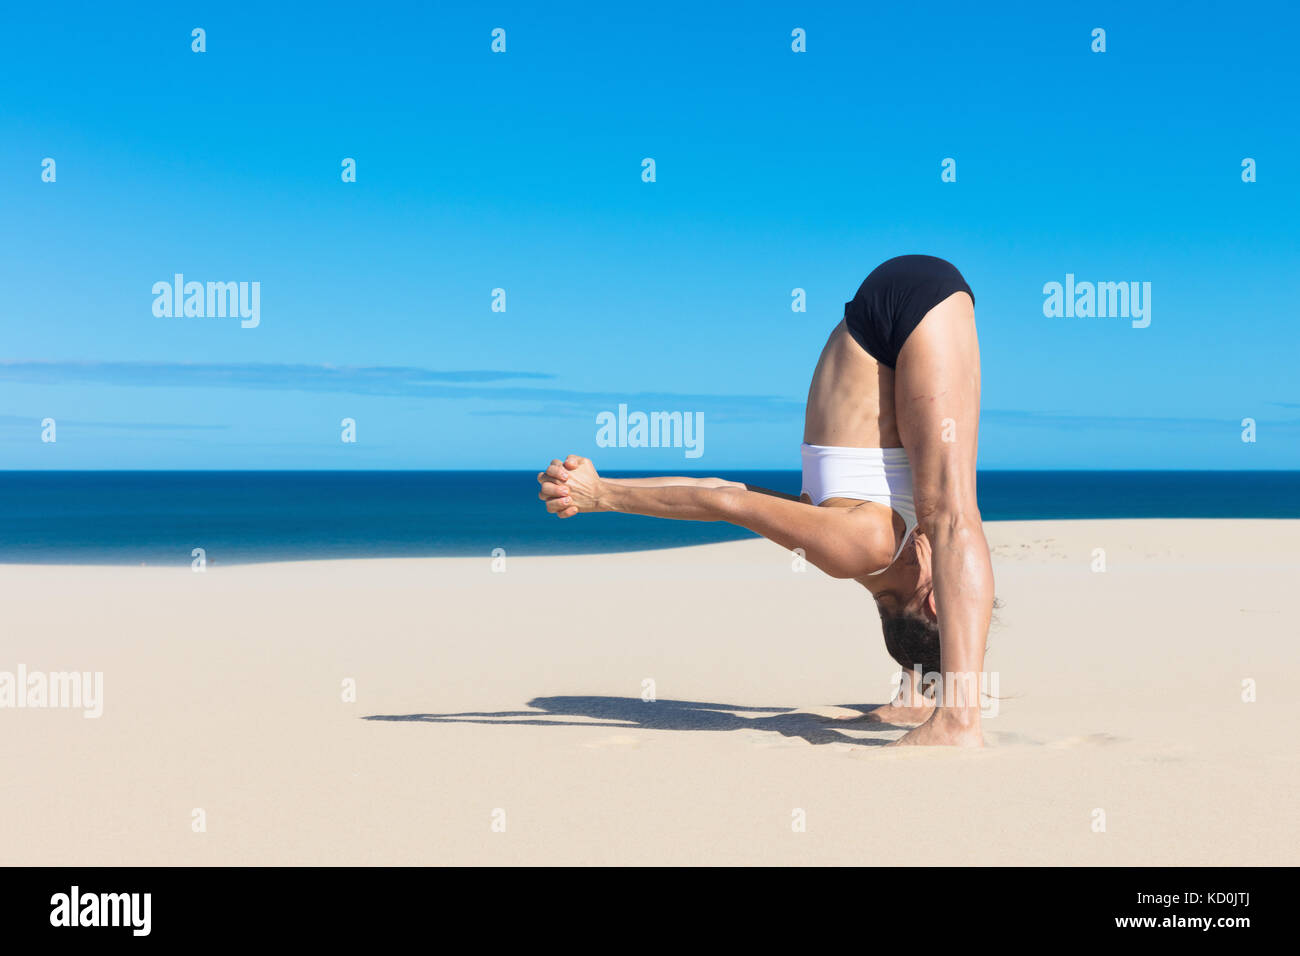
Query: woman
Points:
[888, 500]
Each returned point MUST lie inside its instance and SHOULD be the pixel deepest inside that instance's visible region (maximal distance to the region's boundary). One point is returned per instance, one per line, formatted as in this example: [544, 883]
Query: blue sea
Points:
[158, 518]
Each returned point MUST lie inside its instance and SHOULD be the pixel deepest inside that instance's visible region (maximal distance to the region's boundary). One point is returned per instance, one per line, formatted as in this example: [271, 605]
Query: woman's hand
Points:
[570, 487]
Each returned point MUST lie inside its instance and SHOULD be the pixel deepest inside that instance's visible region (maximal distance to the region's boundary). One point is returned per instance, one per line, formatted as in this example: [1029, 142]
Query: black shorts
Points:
[893, 300]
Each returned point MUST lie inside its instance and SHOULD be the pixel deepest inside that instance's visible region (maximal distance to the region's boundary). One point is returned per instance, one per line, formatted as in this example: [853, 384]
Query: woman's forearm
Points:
[664, 482]
[697, 501]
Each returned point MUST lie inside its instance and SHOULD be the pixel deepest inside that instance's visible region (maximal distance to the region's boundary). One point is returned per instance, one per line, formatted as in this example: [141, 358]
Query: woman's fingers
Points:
[555, 491]
[561, 506]
[551, 489]
[555, 471]
[557, 505]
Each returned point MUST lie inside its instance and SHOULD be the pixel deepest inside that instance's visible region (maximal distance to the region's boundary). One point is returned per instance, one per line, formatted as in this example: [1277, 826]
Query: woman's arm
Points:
[842, 542]
[667, 482]
[693, 502]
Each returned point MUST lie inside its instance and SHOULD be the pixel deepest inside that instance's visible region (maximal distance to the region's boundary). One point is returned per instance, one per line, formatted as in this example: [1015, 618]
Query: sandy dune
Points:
[516, 699]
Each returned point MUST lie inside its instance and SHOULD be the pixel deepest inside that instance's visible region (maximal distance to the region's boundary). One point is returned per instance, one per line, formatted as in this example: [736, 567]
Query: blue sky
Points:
[522, 171]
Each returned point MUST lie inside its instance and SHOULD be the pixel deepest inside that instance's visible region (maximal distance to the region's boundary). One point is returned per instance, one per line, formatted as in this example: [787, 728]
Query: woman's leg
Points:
[937, 398]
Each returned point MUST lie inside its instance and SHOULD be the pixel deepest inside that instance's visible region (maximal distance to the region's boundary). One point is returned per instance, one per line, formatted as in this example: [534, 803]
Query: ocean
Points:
[237, 517]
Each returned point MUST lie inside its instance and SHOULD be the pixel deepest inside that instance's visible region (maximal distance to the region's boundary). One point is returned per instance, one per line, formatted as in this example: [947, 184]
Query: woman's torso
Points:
[851, 398]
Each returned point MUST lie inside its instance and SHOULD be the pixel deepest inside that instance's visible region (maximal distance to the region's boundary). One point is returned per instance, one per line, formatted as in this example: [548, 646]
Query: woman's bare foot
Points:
[947, 727]
[898, 715]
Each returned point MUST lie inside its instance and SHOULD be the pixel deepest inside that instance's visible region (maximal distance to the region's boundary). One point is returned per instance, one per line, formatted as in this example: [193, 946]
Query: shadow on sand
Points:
[632, 713]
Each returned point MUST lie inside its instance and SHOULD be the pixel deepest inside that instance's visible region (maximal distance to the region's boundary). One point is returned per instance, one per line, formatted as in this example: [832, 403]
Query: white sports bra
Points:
[863, 474]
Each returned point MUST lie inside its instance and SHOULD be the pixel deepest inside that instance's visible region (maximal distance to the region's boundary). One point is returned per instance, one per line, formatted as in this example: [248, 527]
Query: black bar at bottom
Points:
[884, 905]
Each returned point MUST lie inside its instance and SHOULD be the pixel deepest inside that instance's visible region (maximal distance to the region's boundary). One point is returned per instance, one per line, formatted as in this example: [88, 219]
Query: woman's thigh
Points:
[937, 401]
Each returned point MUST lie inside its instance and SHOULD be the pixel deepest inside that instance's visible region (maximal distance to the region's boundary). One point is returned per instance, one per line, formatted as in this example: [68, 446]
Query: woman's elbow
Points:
[726, 503]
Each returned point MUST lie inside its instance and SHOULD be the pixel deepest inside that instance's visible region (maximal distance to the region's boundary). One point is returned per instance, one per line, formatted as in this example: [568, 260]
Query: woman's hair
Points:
[912, 639]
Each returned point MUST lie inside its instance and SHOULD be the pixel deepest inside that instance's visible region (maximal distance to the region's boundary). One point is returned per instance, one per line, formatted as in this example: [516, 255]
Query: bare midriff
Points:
[851, 398]
[850, 402]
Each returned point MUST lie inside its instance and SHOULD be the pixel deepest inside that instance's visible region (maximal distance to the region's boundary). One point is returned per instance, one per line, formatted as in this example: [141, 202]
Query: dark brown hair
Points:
[912, 639]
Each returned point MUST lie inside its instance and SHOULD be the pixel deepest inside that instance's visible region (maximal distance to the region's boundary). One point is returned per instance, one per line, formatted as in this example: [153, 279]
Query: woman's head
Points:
[909, 617]
[905, 598]
[912, 639]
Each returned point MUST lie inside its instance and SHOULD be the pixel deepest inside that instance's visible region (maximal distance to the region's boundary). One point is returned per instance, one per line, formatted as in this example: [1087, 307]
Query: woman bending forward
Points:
[888, 498]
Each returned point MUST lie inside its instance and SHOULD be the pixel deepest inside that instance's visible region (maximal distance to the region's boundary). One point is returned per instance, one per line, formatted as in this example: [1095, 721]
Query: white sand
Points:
[222, 691]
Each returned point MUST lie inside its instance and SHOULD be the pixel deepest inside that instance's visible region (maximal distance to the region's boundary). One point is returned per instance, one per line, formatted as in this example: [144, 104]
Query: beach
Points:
[471, 711]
